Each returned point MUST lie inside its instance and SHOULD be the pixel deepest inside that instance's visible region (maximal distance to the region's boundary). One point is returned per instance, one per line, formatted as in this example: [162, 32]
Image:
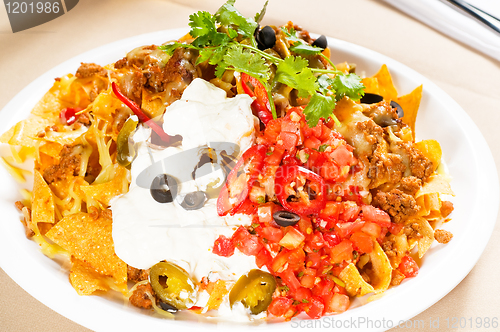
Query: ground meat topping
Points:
[410, 185]
[442, 236]
[446, 208]
[137, 275]
[68, 165]
[399, 205]
[420, 166]
[90, 69]
[139, 297]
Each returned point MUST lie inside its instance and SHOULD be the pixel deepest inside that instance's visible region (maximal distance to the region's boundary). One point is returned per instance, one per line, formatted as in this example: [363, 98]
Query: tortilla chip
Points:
[42, 202]
[105, 105]
[431, 150]
[436, 184]
[426, 232]
[385, 85]
[90, 240]
[410, 104]
[355, 285]
[401, 246]
[84, 279]
[50, 105]
[52, 149]
[104, 192]
[25, 132]
[381, 272]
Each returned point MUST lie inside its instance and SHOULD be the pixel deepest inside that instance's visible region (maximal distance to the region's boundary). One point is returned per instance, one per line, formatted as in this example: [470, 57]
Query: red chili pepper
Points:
[68, 115]
[285, 175]
[235, 191]
[140, 114]
[261, 104]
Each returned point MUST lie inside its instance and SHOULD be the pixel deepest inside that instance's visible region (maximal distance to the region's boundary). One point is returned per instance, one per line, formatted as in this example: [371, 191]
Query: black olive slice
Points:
[285, 218]
[266, 38]
[321, 42]
[371, 98]
[194, 200]
[167, 307]
[164, 188]
[398, 108]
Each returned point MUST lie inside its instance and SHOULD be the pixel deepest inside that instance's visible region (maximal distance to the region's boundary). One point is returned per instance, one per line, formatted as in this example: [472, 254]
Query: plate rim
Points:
[41, 84]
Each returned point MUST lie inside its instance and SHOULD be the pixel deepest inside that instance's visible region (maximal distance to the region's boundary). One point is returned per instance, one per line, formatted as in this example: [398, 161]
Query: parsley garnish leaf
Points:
[320, 106]
[348, 85]
[227, 15]
[260, 16]
[247, 62]
[295, 73]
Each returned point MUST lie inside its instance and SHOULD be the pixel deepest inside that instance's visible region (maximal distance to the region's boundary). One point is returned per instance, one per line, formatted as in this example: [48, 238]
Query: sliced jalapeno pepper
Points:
[124, 155]
[255, 290]
[171, 284]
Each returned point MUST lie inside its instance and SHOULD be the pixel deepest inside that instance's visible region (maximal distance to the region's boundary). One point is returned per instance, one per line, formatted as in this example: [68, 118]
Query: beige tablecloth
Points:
[470, 78]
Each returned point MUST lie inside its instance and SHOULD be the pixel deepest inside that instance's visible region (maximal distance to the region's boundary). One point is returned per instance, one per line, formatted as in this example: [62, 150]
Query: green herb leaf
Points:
[323, 147]
[228, 15]
[202, 23]
[261, 199]
[348, 85]
[305, 49]
[294, 72]
[255, 225]
[245, 61]
[325, 84]
[320, 106]
[260, 16]
[301, 273]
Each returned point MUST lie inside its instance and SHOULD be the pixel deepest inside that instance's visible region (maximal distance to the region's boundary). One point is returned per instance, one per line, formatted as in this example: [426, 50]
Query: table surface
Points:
[466, 75]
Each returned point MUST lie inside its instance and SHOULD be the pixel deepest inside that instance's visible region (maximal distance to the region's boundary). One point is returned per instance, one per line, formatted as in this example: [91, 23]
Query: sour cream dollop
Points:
[146, 232]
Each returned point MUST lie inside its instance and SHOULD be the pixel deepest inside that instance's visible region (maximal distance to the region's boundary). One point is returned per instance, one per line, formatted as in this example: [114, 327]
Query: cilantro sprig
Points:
[226, 40]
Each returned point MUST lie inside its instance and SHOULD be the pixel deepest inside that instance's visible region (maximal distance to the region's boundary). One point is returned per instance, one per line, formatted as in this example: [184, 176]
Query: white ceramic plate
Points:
[466, 153]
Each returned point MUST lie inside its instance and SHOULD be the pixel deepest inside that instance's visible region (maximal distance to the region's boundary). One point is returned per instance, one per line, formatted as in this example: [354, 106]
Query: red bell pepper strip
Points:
[140, 114]
[68, 115]
[285, 175]
[235, 191]
[261, 104]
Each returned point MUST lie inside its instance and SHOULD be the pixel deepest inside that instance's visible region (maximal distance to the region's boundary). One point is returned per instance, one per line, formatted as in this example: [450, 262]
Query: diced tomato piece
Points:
[307, 281]
[289, 278]
[245, 242]
[312, 143]
[318, 130]
[273, 128]
[257, 194]
[305, 225]
[337, 304]
[275, 157]
[288, 140]
[302, 294]
[248, 207]
[315, 241]
[315, 307]
[343, 157]
[292, 127]
[265, 213]
[395, 228]
[313, 259]
[325, 133]
[383, 232]
[408, 267]
[373, 214]
[331, 239]
[280, 261]
[296, 259]
[273, 234]
[350, 211]
[371, 229]
[341, 252]
[279, 306]
[323, 288]
[264, 258]
[330, 171]
[331, 210]
[223, 246]
[362, 242]
[292, 239]
[347, 228]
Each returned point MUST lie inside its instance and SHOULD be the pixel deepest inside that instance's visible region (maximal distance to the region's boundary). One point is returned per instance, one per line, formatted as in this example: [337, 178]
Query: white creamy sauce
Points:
[146, 232]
